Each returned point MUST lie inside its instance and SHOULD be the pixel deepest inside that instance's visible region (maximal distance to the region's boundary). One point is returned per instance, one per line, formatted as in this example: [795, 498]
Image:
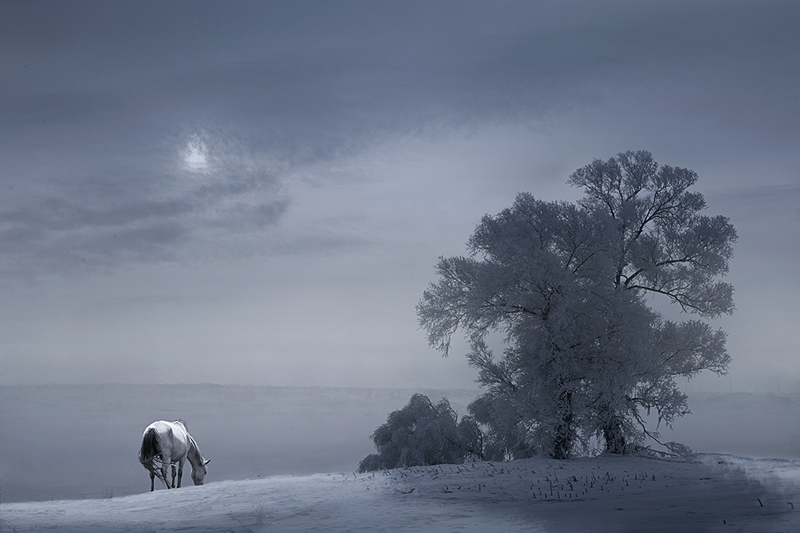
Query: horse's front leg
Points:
[180, 472]
[173, 477]
[152, 481]
[164, 474]
[166, 461]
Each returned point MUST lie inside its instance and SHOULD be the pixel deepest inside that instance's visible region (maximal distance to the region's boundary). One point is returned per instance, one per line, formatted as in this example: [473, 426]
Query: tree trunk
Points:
[564, 431]
[562, 443]
[615, 437]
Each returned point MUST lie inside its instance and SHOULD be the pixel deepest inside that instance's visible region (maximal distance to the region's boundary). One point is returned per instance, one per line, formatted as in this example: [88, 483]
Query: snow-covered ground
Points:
[610, 493]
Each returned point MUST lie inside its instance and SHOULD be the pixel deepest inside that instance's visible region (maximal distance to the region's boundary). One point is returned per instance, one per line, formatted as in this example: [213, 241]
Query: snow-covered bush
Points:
[422, 433]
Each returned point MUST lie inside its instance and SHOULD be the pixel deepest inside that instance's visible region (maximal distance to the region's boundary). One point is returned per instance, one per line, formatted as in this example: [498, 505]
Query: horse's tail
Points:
[150, 447]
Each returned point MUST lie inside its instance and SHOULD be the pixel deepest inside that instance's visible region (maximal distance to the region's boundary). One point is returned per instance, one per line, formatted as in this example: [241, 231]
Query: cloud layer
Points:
[284, 161]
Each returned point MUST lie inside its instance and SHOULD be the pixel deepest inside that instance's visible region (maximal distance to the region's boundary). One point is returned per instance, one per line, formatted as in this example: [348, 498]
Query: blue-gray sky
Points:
[257, 192]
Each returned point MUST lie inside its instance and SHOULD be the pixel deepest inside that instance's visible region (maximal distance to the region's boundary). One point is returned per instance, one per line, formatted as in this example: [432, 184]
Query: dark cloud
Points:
[335, 66]
[314, 79]
[118, 217]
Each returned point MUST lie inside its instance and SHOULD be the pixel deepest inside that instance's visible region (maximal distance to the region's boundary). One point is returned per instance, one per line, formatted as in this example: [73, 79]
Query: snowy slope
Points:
[609, 493]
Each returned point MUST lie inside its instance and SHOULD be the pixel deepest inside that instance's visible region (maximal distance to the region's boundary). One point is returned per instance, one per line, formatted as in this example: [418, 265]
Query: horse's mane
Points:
[194, 450]
[193, 447]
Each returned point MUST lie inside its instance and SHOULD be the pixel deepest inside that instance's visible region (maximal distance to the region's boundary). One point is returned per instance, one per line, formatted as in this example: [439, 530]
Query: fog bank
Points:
[76, 442]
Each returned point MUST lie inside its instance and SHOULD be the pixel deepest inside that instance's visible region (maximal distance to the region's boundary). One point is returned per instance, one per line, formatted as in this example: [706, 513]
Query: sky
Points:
[258, 192]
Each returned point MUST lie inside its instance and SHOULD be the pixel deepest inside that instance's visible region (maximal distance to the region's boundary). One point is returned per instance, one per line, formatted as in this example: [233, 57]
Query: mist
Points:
[76, 442]
[81, 441]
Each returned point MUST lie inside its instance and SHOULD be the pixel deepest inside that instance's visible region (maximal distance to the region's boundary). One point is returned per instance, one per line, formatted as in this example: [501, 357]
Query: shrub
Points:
[422, 433]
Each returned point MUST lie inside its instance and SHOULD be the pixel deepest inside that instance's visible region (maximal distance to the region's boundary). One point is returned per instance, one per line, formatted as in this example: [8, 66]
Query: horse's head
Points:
[198, 474]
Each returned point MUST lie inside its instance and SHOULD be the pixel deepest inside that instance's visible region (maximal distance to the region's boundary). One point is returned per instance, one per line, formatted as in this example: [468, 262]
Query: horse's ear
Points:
[207, 461]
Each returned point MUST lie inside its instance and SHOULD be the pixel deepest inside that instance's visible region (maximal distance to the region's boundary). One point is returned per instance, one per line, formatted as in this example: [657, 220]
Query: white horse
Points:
[167, 444]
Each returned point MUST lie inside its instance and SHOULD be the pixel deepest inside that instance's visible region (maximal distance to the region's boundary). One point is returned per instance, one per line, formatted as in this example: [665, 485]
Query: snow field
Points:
[607, 493]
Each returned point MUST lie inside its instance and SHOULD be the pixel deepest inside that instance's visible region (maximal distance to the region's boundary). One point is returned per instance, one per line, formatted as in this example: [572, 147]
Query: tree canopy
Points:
[567, 287]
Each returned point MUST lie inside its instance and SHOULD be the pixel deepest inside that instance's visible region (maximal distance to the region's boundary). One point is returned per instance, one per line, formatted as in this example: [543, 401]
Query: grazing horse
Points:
[166, 444]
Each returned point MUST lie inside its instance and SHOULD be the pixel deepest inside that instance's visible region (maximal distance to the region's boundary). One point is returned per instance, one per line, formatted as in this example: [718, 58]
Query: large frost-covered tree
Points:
[662, 245]
[565, 286]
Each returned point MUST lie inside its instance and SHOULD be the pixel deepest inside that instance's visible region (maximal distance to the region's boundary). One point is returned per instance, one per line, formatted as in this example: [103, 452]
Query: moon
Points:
[195, 156]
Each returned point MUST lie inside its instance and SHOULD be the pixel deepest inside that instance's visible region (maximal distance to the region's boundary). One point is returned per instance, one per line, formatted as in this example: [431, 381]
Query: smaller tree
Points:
[422, 433]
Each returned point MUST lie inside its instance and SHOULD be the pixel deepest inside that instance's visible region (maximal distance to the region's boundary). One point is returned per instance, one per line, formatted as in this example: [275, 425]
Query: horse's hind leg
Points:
[152, 481]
